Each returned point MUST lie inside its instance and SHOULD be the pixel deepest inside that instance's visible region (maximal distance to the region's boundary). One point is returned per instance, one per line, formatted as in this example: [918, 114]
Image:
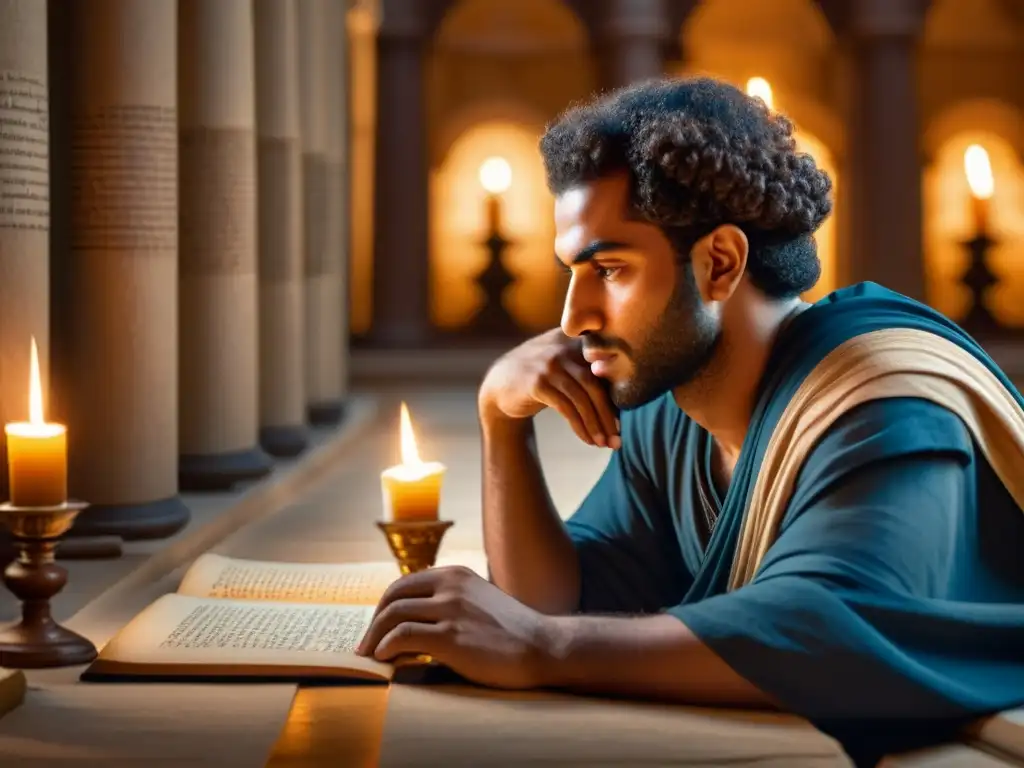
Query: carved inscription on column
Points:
[218, 207]
[24, 152]
[316, 180]
[125, 173]
[280, 209]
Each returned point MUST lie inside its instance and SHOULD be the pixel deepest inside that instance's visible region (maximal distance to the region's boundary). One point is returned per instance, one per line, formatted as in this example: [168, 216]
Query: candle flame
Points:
[758, 87]
[410, 453]
[496, 175]
[35, 390]
[979, 172]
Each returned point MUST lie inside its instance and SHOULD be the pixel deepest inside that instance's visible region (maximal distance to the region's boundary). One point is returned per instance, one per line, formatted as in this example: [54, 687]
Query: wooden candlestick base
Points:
[415, 544]
[33, 577]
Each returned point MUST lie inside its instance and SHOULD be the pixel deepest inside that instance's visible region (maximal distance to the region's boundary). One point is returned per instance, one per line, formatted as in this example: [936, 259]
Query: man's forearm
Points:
[528, 549]
[651, 657]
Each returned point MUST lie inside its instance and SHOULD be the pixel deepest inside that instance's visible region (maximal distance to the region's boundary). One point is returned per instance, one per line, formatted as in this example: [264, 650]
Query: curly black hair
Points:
[701, 153]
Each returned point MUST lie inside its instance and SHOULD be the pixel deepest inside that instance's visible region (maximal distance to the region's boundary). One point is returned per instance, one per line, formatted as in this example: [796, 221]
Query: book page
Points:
[213, 575]
[179, 629]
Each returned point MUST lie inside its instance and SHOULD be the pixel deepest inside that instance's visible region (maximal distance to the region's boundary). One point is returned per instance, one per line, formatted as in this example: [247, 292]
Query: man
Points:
[887, 603]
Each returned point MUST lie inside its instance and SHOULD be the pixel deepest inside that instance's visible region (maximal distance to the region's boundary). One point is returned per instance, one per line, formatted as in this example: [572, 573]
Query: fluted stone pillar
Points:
[401, 285]
[24, 209]
[884, 161]
[218, 346]
[121, 390]
[282, 379]
[320, 72]
[633, 38]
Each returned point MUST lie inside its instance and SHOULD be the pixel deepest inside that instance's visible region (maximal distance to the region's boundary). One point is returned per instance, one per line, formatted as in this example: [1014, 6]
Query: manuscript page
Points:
[186, 631]
[213, 575]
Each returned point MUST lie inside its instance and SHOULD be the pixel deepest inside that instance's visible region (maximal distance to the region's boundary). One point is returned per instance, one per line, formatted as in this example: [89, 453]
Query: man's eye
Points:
[606, 273]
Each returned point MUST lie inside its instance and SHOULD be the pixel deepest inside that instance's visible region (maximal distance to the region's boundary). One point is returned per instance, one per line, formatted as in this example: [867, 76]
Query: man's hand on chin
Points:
[465, 623]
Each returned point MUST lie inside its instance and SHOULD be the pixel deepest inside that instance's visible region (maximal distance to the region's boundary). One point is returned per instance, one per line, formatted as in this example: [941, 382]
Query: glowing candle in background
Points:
[37, 454]
[978, 169]
[496, 179]
[758, 87]
[411, 490]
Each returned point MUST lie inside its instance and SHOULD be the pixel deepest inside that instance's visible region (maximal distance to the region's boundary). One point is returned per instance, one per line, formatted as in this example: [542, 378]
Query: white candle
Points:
[411, 490]
[37, 452]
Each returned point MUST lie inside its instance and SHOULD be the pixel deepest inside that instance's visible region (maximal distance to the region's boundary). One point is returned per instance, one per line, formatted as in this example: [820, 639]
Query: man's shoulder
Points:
[890, 428]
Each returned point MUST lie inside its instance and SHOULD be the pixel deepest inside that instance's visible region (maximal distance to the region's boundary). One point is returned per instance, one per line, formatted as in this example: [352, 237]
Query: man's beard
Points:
[675, 352]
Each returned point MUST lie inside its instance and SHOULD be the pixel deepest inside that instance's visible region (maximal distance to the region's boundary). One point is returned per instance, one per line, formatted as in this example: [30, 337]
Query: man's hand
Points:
[464, 623]
[549, 371]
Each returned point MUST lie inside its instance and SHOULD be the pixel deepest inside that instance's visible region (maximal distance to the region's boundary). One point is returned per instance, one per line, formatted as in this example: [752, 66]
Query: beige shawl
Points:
[876, 365]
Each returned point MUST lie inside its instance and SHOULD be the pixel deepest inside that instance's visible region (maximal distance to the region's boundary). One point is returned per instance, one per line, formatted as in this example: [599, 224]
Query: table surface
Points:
[327, 725]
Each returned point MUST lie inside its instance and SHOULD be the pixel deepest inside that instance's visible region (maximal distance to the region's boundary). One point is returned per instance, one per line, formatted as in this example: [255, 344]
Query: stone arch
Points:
[511, 26]
[986, 115]
[454, 126]
[947, 220]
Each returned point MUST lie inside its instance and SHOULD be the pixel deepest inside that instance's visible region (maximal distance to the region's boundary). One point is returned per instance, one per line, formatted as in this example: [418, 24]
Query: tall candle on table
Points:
[37, 452]
[412, 489]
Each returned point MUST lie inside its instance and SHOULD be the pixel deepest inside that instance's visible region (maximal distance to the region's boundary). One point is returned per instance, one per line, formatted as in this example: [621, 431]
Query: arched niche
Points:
[458, 221]
[491, 92]
[790, 44]
[948, 222]
[361, 22]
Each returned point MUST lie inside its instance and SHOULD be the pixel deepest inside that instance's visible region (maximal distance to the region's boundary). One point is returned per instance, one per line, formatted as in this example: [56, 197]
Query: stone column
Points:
[322, 89]
[884, 159]
[632, 41]
[401, 286]
[282, 376]
[122, 282]
[24, 210]
[219, 371]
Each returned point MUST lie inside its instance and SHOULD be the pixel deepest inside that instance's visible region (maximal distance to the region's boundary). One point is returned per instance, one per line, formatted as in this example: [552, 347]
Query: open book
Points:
[248, 619]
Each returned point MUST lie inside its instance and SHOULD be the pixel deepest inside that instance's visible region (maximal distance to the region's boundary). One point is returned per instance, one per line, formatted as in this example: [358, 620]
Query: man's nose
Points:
[581, 314]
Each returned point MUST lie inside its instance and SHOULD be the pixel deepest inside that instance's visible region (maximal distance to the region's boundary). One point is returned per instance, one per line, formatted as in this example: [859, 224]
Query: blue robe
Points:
[890, 610]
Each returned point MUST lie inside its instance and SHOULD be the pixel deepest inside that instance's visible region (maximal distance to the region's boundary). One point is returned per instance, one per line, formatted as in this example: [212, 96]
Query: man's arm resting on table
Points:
[647, 657]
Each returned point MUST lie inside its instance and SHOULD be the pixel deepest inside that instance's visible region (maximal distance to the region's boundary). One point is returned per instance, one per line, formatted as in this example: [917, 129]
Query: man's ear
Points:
[719, 262]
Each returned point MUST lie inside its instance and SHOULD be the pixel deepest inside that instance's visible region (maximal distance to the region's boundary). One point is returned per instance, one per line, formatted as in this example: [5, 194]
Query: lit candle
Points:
[495, 178]
[37, 452]
[979, 178]
[759, 88]
[412, 489]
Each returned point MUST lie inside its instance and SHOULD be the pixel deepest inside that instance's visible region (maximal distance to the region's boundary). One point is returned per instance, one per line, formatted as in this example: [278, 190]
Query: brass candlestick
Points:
[415, 543]
[37, 640]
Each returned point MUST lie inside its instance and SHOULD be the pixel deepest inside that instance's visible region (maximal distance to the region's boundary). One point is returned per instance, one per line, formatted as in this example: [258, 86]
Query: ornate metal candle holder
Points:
[415, 544]
[37, 640]
[979, 280]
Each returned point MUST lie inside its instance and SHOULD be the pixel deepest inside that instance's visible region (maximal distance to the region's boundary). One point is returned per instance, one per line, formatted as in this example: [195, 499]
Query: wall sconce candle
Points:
[758, 87]
[496, 179]
[979, 277]
[978, 169]
[493, 319]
